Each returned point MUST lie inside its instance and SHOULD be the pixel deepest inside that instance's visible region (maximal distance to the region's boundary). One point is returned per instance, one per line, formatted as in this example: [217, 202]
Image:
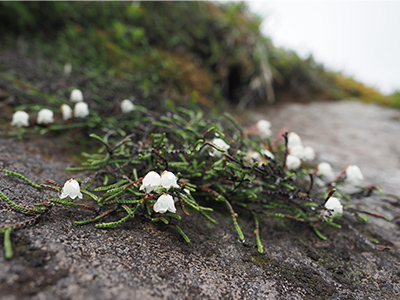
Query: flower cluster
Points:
[297, 152]
[167, 180]
[353, 174]
[153, 180]
[45, 116]
[81, 108]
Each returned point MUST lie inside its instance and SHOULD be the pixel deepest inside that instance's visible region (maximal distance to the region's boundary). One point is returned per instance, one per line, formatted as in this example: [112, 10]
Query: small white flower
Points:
[252, 156]
[292, 162]
[45, 116]
[127, 106]
[20, 119]
[164, 203]
[169, 179]
[81, 110]
[221, 144]
[354, 174]
[67, 69]
[294, 140]
[76, 96]
[269, 154]
[325, 169]
[264, 128]
[308, 153]
[297, 150]
[333, 207]
[151, 181]
[71, 189]
[66, 112]
[255, 156]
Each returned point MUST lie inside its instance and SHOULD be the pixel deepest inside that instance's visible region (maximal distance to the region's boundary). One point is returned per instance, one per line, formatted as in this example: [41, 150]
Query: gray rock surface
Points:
[54, 259]
[345, 132]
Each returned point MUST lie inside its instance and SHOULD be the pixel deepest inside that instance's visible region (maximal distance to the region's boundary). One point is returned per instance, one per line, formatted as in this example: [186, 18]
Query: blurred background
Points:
[247, 53]
[358, 38]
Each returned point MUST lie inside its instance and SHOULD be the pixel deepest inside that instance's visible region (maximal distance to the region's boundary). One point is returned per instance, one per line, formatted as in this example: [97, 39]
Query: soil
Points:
[55, 259]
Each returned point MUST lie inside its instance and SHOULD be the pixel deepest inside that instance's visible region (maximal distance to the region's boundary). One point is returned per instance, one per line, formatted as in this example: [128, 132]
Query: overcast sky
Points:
[359, 38]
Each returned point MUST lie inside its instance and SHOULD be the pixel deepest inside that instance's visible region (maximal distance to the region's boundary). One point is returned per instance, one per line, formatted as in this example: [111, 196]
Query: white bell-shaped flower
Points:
[150, 182]
[255, 156]
[252, 156]
[71, 189]
[20, 119]
[333, 207]
[268, 154]
[297, 150]
[354, 174]
[292, 162]
[76, 96]
[81, 110]
[66, 112]
[308, 153]
[264, 128]
[221, 144]
[169, 179]
[294, 140]
[45, 116]
[127, 106]
[67, 69]
[324, 169]
[164, 203]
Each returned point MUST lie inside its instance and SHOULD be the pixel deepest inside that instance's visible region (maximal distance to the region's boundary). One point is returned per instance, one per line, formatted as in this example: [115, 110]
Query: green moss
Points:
[177, 48]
